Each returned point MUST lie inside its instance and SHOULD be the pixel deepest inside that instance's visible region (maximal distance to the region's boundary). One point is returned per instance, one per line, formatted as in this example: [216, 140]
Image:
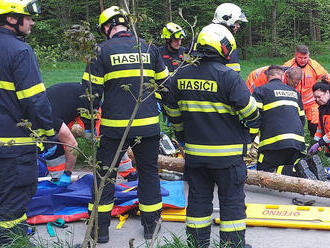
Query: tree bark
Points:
[260, 178]
[250, 34]
[289, 184]
[101, 4]
[170, 10]
[274, 27]
[311, 25]
[263, 179]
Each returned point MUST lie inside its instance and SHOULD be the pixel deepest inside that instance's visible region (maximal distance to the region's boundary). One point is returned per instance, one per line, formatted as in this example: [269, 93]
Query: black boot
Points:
[102, 234]
[149, 230]
[303, 171]
[315, 165]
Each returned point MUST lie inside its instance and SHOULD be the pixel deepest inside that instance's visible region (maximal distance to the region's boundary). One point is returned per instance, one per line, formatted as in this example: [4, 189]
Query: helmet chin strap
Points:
[16, 26]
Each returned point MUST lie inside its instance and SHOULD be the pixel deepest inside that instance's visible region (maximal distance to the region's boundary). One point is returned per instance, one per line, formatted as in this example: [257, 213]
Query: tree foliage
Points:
[274, 27]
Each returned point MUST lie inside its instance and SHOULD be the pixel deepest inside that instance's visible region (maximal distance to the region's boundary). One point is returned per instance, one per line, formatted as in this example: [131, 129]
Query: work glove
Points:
[48, 149]
[314, 148]
[65, 179]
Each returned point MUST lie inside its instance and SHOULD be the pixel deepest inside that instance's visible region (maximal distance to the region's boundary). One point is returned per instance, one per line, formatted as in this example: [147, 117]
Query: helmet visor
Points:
[242, 17]
[33, 7]
[179, 35]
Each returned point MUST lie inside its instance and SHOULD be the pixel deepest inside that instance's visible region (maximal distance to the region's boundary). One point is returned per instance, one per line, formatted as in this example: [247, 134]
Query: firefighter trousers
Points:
[146, 157]
[18, 183]
[282, 161]
[230, 182]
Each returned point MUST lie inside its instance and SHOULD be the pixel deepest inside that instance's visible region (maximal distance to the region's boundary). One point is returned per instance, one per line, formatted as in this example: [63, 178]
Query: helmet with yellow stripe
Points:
[115, 16]
[215, 39]
[172, 30]
[23, 7]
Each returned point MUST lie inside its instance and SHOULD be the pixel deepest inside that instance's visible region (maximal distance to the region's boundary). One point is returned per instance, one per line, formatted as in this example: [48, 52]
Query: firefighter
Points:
[22, 97]
[66, 99]
[321, 91]
[312, 72]
[229, 15]
[280, 145]
[172, 51]
[117, 65]
[206, 103]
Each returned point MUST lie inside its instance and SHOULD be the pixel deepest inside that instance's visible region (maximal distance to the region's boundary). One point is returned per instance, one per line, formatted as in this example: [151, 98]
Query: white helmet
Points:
[228, 13]
[216, 38]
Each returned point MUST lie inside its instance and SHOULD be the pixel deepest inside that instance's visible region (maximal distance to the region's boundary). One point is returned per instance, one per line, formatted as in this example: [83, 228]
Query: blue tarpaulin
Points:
[70, 203]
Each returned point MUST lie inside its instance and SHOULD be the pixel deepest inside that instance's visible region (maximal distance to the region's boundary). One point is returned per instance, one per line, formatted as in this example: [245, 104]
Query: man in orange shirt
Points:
[257, 78]
[312, 72]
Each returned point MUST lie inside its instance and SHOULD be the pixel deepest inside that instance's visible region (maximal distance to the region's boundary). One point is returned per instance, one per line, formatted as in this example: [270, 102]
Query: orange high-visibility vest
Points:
[312, 72]
[256, 78]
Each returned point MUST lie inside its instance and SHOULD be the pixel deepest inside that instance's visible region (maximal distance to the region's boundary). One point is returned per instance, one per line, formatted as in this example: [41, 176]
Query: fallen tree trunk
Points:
[260, 178]
[289, 184]
[264, 179]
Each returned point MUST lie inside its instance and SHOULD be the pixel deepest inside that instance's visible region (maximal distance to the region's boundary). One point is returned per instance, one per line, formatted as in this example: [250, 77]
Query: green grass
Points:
[62, 72]
[73, 71]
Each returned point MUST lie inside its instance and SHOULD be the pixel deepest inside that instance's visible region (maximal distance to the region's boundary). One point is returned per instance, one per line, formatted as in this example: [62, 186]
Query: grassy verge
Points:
[62, 72]
[73, 71]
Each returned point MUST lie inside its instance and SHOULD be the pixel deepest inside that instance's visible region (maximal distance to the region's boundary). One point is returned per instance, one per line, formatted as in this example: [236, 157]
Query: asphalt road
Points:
[258, 237]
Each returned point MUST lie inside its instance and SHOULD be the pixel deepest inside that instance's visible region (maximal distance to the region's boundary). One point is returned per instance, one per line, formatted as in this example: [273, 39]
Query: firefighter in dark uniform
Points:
[172, 51]
[229, 15]
[22, 97]
[206, 103]
[66, 99]
[282, 129]
[116, 65]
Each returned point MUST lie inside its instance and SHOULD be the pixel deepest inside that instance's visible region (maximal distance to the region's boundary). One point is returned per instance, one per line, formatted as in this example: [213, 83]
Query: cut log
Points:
[77, 131]
[260, 178]
[289, 184]
[264, 179]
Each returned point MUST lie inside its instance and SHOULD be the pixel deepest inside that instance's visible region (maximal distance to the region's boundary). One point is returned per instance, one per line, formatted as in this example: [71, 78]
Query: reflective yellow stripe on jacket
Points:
[249, 109]
[17, 141]
[281, 137]
[198, 222]
[161, 75]
[7, 85]
[178, 127]
[101, 208]
[49, 132]
[94, 79]
[135, 123]
[279, 104]
[205, 106]
[210, 150]
[234, 66]
[30, 91]
[11, 223]
[232, 225]
[150, 208]
[128, 73]
[172, 112]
